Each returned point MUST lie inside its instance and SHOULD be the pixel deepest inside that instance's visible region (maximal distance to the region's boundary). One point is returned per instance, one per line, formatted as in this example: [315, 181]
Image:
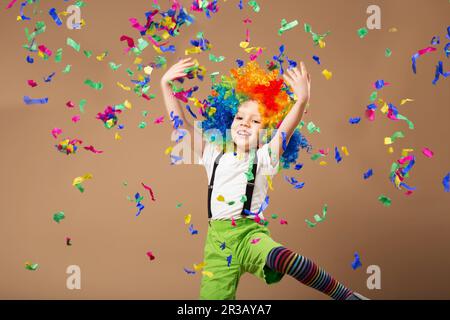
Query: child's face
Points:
[246, 125]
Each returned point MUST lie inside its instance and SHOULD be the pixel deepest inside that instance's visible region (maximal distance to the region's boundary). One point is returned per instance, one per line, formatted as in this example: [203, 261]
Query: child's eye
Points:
[257, 121]
[238, 117]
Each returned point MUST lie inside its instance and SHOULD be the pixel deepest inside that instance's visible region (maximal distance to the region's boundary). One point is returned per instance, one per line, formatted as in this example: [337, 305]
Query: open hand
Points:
[177, 70]
[300, 82]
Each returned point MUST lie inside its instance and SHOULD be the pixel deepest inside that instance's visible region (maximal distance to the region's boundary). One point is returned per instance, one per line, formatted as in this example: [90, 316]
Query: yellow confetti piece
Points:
[406, 151]
[321, 44]
[127, 104]
[269, 182]
[323, 163]
[345, 150]
[199, 266]
[327, 74]
[397, 182]
[208, 274]
[193, 50]
[168, 150]
[41, 54]
[220, 198]
[148, 70]
[393, 29]
[391, 150]
[117, 136]
[187, 219]
[165, 35]
[405, 101]
[244, 44]
[137, 60]
[385, 108]
[123, 87]
[19, 18]
[387, 140]
[157, 49]
[81, 179]
[102, 56]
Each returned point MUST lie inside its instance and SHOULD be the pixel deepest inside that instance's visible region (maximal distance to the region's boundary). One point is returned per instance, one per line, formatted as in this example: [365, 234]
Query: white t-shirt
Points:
[230, 180]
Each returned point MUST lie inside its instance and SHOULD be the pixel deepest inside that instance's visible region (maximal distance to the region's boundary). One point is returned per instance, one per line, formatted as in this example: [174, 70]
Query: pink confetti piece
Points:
[76, 118]
[408, 193]
[255, 241]
[370, 114]
[254, 56]
[233, 223]
[282, 221]
[150, 255]
[45, 50]
[405, 159]
[324, 152]
[159, 120]
[428, 153]
[247, 20]
[32, 83]
[70, 104]
[92, 149]
[11, 4]
[149, 190]
[56, 132]
[426, 50]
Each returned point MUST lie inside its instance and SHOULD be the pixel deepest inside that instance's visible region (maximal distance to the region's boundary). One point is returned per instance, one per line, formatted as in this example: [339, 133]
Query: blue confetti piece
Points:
[189, 271]
[240, 63]
[192, 230]
[54, 15]
[356, 262]
[446, 182]
[379, 84]
[316, 59]
[447, 50]
[222, 246]
[435, 41]
[414, 58]
[368, 174]
[229, 260]
[30, 59]
[29, 101]
[372, 106]
[241, 5]
[337, 155]
[170, 48]
[298, 166]
[121, 126]
[299, 185]
[284, 145]
[354, 120]
[407, 187]
[188, 108]
[50, 77]
[440, 71]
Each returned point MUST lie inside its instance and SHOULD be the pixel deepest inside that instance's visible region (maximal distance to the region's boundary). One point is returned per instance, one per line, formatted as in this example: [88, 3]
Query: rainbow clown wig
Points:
[251, 82]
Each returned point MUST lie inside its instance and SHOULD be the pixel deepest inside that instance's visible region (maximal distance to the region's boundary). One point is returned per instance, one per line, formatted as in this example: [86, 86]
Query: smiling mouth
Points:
[243, 133]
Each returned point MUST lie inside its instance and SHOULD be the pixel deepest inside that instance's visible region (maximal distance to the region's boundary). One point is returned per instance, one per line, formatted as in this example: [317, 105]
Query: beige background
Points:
[409, 240]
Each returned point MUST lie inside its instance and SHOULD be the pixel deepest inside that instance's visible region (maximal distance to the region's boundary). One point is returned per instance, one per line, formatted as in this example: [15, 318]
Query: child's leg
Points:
[285, 261]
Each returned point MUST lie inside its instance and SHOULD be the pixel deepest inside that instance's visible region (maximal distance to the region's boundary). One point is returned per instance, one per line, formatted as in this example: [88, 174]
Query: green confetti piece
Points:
[80, 4]
[59, 216]
[388, 52]
[130, 72]
[310, 224]
[231, 203]
[243, 198]
[179, 205]
[312, 127]
[82, 104]
[216, 59]
[307, 28]
[142, 125]
[285, 26]
[58, 55]
[144, 113]
[274, 216]
[139, 199]
[94, 85]
[410, 124]
[385, 200]
[80, 187]
[73, 44]
[316, 156]
[31, 266]
[114, 66]
[362, 32]
[373, 96]
[87, 53]
[67, 69]
[255, 6]
[396, 135]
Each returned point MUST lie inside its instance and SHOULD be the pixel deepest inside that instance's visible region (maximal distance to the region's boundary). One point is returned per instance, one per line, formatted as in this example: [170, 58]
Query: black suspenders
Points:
[248, 190]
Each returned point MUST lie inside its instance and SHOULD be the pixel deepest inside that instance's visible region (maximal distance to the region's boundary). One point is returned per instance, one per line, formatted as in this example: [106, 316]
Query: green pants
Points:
[245, 257]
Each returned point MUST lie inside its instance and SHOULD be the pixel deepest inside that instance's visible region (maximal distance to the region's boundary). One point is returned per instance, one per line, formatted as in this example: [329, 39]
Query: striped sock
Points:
[307, 272]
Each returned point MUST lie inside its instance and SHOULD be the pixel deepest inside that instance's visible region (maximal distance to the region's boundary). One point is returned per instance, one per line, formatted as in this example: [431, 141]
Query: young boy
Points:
[237, 241]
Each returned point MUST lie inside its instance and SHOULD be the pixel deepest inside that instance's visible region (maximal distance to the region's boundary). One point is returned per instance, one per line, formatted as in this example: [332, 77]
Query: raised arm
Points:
[300, 82]
[172, 103]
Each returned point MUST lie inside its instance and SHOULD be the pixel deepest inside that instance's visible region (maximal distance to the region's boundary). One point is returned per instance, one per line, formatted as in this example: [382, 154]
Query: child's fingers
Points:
[303, 68]
[288, 79]
[291, 74]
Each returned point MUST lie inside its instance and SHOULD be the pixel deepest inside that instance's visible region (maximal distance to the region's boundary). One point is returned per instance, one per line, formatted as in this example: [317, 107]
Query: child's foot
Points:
[356, 296]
